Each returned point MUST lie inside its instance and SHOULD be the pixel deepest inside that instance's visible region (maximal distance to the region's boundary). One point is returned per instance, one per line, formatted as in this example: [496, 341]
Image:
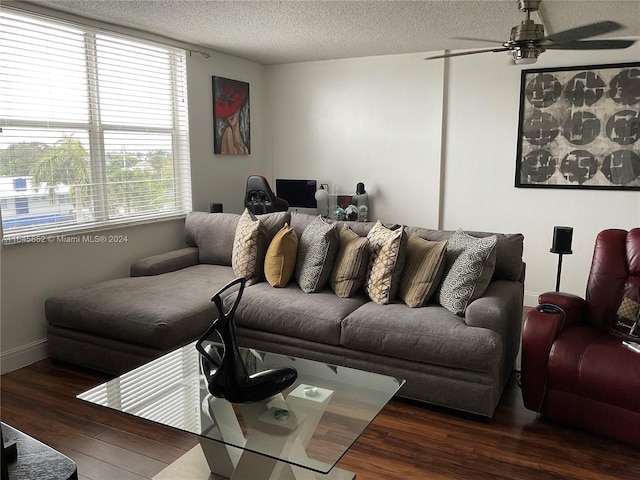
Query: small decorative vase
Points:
[322, 201]
[226, 374]
[361, 201]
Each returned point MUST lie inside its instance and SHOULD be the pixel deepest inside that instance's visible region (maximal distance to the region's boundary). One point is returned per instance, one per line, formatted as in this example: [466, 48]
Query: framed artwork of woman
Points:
[231, 134]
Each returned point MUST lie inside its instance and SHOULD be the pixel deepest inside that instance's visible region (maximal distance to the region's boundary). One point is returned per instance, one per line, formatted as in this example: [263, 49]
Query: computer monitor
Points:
[298, 193]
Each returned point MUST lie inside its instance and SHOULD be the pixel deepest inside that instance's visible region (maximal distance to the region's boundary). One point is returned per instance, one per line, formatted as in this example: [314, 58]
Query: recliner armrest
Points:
[165, 262]
[539, 331]
[574, 307]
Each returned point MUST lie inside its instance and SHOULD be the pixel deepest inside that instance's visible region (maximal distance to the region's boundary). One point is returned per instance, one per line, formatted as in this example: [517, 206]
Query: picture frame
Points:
[231, 117]
[579, 128]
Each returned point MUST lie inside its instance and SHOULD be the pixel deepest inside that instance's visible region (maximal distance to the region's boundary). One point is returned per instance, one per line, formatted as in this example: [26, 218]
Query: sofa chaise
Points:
[457, 360]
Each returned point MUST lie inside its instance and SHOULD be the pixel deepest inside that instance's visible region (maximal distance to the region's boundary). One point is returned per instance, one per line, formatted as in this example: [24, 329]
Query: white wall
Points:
[380, 120]
[375, 120]
[222, 178]
[481, 138]
[31, 273]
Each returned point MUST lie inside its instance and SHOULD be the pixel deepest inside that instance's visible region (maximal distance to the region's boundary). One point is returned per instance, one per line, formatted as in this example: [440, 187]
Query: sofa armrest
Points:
[166, 262]
[500, 305]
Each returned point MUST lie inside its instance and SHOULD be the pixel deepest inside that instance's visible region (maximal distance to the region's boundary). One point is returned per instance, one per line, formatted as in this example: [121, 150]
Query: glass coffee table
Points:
[299, 434]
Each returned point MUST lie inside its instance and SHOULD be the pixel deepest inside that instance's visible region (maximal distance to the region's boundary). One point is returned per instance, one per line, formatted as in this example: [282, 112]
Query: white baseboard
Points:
[22, 356]
[530, 299]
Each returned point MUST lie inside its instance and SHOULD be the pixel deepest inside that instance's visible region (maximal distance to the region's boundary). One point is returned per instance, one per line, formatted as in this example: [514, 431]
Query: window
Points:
[94, 129]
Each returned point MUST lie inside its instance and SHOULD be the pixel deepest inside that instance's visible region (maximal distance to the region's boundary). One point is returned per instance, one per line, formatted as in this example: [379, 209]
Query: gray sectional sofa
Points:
[461, 362]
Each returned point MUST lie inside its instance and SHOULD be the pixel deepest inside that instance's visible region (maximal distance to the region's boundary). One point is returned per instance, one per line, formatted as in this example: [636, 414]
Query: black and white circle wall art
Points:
[579, 127]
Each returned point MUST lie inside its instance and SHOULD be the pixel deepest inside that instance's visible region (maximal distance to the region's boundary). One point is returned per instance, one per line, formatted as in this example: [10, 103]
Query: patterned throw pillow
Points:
[249, 248]
[627, 320]
[422, 271]
[470, 263]
[280, 261]
[317, 251]
[351, 264]
[386, 260]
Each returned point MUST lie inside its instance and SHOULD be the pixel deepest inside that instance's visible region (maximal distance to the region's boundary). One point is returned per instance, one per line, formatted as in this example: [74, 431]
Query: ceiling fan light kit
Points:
[527, 40]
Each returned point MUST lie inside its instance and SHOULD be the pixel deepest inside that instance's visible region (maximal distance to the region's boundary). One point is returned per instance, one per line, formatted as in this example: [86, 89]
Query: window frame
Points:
[95, 128]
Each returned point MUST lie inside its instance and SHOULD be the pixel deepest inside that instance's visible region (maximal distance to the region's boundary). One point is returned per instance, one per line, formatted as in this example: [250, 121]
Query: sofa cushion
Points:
[300, 221]
[213, 234]
[606, 372]
[159, 311]
[386, 261]
[470, 262]
[249, 248]
[362, 228]
[317, 252]
[280, 260]
[274, 221]
[430, 334]
[509, 249]
[423, 270]
[351, 263]
[289, 311]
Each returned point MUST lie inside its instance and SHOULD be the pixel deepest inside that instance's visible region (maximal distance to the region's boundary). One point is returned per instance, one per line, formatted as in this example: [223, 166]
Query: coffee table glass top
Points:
[311, 424]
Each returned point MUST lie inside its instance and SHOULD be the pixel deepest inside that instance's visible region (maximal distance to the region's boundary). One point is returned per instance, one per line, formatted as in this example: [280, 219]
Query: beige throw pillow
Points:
[249, 248]
[351, 263]
[280, 261]
[422, 271]
[386, 260]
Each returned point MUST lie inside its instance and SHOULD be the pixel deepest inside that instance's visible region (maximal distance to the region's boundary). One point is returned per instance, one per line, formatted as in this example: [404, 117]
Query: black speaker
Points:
[562, 237]
[215, 208]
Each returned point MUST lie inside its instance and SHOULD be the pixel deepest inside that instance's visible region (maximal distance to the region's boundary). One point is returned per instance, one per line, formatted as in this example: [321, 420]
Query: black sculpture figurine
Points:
[227, 376]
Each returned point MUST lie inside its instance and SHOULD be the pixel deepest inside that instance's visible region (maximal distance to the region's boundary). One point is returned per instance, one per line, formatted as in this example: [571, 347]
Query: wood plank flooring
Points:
[406, 441]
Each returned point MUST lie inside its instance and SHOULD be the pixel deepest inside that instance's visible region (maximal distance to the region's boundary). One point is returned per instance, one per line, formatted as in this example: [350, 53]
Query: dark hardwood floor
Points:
[406, 441]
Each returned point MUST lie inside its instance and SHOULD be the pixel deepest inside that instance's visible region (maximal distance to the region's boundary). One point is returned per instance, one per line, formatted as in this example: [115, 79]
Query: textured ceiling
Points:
[274, 32]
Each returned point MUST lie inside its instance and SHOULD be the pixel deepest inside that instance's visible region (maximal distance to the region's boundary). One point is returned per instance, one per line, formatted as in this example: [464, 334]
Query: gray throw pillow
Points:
[470, 263]
[317, 252]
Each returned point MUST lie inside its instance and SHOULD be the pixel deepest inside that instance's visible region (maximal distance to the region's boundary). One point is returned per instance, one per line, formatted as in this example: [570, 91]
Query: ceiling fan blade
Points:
[478, 39]
[589, 45]
[585, 31]
[472, 52]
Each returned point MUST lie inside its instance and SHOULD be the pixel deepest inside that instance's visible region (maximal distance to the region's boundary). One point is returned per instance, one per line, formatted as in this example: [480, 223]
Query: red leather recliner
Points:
[573, 370]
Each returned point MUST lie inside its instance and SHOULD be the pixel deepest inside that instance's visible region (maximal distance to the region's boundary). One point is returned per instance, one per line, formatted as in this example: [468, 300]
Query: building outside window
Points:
[94, 128]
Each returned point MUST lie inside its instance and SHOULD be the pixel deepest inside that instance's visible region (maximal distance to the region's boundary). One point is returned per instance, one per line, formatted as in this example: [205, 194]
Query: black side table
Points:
[34, 459]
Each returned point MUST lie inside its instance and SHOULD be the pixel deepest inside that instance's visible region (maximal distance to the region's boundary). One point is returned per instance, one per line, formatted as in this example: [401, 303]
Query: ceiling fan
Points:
[527, 40]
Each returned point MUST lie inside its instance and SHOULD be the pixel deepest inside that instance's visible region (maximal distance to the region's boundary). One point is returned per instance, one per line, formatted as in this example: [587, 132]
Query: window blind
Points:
[94, 129]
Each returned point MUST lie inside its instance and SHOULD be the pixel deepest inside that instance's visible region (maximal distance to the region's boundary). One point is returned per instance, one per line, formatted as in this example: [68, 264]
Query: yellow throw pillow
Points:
[423, 270]
[351, 263]
[386, 260]
[280, 261]
[249, 248]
